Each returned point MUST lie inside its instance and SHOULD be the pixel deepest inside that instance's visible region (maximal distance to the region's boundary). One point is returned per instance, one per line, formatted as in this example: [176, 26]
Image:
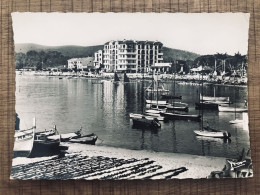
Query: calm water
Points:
[104, 110]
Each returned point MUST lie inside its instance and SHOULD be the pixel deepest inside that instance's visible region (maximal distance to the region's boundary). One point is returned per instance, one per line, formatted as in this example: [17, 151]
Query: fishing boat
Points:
[149, 117]
[66, 136]
[86, 139]
[44, 142]
[143, 122]
[23, 141]
[209, 98]
[231, 109]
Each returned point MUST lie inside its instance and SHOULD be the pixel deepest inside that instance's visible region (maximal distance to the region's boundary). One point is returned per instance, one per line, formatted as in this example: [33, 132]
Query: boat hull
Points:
[143, 122]
[231, 109]
[209, 98]
[23, 143]
[214, 134]
[204, 105]
[175, 116]
[149, 117]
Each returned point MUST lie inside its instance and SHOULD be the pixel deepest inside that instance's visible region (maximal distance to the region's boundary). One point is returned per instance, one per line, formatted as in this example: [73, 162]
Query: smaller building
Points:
[81, 63]
[161, 67]
[98, 58]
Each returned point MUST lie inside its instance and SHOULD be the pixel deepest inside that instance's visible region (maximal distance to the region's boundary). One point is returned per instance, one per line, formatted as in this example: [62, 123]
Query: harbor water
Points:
[104, 109]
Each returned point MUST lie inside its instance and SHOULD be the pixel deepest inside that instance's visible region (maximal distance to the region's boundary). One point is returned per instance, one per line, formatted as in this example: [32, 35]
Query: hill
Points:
[68, 50]
[81, 51]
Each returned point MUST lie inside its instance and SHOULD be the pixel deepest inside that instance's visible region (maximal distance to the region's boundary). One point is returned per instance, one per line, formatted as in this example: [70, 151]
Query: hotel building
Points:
[129, 56]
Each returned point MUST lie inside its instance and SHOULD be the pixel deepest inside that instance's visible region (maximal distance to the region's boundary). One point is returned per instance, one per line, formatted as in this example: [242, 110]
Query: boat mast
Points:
[202, 99]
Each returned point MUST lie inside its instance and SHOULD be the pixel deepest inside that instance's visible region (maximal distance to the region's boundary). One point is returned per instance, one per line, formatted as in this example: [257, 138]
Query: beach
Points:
[99, 162]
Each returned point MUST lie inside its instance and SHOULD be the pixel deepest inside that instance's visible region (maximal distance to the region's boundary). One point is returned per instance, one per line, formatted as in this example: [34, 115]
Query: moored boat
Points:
[178, 116]
[143, 122]
[150, 117]
[86, 139]
[159, 102]
[211, 133]
[210, 98]
[23, 141]
[231, 109]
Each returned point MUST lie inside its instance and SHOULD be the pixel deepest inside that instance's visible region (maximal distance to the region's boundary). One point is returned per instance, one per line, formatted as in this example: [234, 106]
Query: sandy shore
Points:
[100, 162]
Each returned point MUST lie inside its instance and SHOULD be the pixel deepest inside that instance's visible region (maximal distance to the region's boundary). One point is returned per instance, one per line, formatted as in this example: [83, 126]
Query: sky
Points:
[207, 33]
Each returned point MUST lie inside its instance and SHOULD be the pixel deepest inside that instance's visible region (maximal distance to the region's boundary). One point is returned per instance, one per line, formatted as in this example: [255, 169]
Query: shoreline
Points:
[127, 164]
[180, 79]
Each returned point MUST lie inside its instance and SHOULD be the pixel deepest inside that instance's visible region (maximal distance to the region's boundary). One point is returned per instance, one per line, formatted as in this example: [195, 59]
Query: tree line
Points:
[51, 59]
[40, 60]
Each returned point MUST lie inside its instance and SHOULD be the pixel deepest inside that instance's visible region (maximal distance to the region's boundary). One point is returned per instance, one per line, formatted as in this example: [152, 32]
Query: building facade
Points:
[98, 58]
[81, 63]
[130, 56]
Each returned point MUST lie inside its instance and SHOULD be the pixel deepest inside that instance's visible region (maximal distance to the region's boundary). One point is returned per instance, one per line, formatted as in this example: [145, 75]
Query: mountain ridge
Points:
[84, 51]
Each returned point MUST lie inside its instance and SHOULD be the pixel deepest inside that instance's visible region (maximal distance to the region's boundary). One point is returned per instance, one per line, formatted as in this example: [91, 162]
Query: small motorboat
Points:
[206, 105]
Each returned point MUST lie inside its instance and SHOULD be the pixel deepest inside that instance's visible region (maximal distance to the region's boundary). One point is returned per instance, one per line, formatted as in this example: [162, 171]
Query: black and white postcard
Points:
[131, 96]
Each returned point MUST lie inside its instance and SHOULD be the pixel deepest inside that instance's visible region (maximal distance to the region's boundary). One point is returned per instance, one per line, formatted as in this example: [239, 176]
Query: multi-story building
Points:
[81, 63]
[130, 56]
[98, 58]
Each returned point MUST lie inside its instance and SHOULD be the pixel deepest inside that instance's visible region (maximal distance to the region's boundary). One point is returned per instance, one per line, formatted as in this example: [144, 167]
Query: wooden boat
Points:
[66, 136]
[43, 141]
[150, 117]
[218, 102]
[86, 139]
[178, 106]
[164, 96]
[23, 141]
[143, 122]
[179, 116]
[209, 98]
[231, 109]
[208, 132]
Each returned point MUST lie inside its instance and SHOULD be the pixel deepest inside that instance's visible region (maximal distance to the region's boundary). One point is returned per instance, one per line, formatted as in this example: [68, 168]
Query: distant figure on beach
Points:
[17, 122]
[245, 103]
